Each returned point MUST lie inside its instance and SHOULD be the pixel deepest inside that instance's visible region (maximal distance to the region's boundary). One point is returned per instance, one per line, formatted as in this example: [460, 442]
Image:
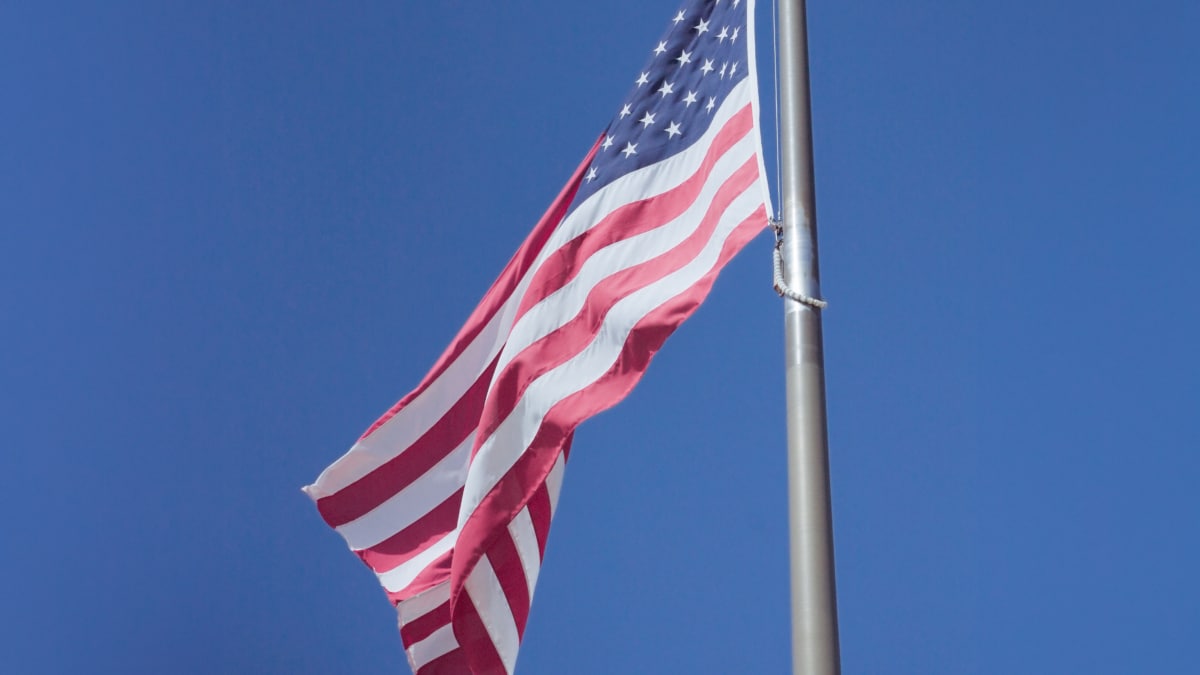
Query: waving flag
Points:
[448, 497]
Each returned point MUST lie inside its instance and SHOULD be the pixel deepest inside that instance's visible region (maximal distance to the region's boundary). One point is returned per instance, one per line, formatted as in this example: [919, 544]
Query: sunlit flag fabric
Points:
[448, 497]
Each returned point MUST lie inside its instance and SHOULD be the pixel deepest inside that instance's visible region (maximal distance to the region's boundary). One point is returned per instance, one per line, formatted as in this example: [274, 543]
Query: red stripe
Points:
[451, 663]
[422, 627]
[506, 563]
[414, 539]
[498, 507]
[474, 639]
[513, 491]
[436, 572]
[565, 342]
[631, 219]
[501, 289]
[539, 513]
[367, 493]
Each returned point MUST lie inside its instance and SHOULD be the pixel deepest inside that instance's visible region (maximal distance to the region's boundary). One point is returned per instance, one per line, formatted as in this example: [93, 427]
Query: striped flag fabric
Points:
[449, 496]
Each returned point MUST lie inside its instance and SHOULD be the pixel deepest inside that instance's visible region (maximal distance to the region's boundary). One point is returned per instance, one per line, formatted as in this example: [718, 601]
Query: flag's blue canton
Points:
[691, 71]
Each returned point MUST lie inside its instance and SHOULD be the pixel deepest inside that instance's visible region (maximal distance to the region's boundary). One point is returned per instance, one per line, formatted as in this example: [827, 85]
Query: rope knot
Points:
[781, 286]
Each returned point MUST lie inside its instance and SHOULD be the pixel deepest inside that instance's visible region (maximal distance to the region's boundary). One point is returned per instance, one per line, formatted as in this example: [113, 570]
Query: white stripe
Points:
[419, 605]
[648, 180]
[398, 578]
[410, 504]
[554, 481]
[439, 643]
[525, 539]
[510, 439]
[562, 305]
[415, 419]
[752, 64]
[412, 421]
[488, 597]
[565, 303]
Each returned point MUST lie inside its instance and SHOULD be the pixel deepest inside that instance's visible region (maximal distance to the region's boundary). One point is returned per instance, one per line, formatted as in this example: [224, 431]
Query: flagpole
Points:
[814, 603]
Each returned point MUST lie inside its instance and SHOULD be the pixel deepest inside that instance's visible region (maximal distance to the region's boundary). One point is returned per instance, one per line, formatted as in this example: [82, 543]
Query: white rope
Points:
[781, 286]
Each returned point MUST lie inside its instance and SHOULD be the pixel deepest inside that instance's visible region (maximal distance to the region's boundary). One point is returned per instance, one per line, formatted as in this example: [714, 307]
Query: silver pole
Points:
[814, 602]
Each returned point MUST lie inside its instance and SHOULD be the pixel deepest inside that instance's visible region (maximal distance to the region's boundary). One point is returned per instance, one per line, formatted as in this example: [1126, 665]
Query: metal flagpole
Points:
[814, 602]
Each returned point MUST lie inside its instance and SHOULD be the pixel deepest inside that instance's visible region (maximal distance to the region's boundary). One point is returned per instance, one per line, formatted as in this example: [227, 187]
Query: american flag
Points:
[448, 497]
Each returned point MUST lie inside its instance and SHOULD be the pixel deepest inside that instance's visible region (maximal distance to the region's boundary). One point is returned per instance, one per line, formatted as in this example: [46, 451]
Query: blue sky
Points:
[232, 234]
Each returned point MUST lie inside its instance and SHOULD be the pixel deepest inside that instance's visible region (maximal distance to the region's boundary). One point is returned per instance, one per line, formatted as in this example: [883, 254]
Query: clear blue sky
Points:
[233, 233]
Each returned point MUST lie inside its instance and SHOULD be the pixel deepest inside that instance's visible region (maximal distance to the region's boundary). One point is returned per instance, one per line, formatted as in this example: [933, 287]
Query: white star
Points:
[662, 47]
[678, 17]
[673, 130]
[591, 176]
[647, 119]
[684, 58]
[707, 67]
[736, 2]
[733, 38]
[702, 27]
[690, 98]
[666, 88]
[625, 112]
[643, 79]
[630, 149]
[723, 34]
[608, 140]
[733, 69]
[712, 102]
[724, 67]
